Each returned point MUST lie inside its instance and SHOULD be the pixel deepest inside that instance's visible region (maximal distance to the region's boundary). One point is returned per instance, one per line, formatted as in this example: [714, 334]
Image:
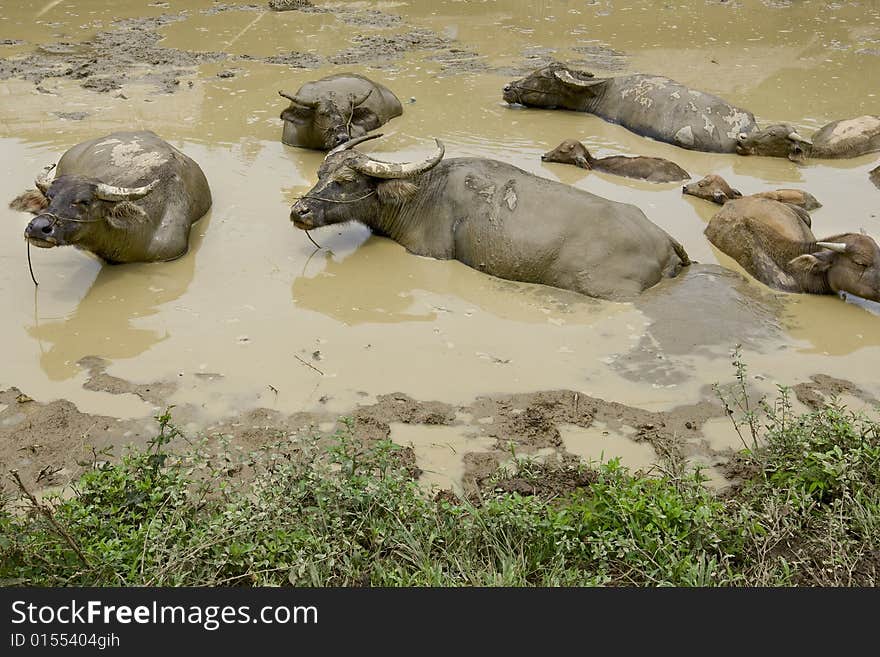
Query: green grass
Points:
[306, 514]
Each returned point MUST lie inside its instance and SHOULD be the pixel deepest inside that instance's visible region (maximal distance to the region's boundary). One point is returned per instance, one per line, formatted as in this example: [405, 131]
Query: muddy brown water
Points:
[254, 317]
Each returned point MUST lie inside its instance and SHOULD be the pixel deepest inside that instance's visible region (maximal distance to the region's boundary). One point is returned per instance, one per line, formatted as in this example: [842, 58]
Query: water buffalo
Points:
[125, 197]
[652, 169]
[328, 112]
[495, 218]
[649, 105]
[715, 188]
[771, 242]
[874, 175]
[839, 139]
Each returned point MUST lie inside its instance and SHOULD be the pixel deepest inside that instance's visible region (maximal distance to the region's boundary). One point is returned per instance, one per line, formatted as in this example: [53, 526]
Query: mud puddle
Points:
[254, 318]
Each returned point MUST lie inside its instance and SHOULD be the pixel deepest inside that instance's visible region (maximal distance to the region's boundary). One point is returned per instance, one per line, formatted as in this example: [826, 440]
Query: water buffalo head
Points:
[331, 121]
[554, 85]
[70, 209]
[844, 263]
[780, 140]
[351, 182]
[712, 188]
[571, 151]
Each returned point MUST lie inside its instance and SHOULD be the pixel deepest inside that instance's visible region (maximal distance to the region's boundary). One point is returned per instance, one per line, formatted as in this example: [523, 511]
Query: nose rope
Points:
[330, 200]
[333, 200]
[56, 219]
[516, 91]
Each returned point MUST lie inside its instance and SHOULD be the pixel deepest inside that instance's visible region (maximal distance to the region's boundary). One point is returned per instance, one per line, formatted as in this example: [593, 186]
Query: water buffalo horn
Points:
[110, 193]
[794, 136]
[43, 181]
[839, 247]
[361, 99]
[568, 78]
[311, 104]
[351, 143]
[379, 169]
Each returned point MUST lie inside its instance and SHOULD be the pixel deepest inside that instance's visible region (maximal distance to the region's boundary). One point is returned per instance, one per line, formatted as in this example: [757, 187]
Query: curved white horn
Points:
[568, 78]
[794, 136]
[44, 181]
[388, 170]
[107, 192]
[839, 247]
[351, 143]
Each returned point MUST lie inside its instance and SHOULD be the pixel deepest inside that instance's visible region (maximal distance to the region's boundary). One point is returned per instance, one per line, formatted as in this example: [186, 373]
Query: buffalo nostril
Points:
[544, 158]
[684, 188]
[506, 87]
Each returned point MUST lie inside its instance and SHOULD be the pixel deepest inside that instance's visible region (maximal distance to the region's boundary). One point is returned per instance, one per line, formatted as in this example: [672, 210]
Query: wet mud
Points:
[254, 335]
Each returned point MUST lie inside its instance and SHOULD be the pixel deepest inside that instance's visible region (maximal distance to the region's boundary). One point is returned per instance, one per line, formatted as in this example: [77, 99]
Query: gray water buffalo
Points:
[495, 218]
[839, 139]
[874, 175]
[328, 112]
[715, 188]
[652, 169]
[125, 197]
[770, 241]
[649, 105]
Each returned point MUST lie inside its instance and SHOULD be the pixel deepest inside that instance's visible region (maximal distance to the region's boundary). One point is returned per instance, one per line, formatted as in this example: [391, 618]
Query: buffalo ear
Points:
[33, 201]
[396, 190]
[123, 214]
[812, 263]
[735, 193]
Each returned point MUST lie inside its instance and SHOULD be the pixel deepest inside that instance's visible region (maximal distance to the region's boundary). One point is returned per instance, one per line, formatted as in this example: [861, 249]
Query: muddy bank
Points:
[51, 444]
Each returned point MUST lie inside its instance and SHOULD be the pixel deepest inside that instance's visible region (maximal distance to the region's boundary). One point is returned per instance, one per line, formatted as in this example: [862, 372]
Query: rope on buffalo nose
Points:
[30, 266]
[332, 200]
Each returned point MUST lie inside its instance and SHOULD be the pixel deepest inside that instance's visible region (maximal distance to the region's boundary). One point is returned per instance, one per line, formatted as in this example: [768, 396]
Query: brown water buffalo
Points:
[649, 105]
[652, 169]
[125, 197]
[496, 218]
[874, 175]
[715, 188]
[771, 242]
[328, 112]
[847, 138]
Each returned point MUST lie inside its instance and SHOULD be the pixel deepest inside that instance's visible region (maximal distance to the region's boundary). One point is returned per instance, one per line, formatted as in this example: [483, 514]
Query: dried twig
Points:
[48, 515]
[308, 365]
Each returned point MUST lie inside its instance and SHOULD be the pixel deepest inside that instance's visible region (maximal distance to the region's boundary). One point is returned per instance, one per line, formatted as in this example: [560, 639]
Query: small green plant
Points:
[346, 512]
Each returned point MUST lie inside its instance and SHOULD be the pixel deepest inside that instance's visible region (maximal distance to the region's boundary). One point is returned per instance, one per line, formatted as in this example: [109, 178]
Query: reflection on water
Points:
[364, 287]
[256, 296]
[104, 322]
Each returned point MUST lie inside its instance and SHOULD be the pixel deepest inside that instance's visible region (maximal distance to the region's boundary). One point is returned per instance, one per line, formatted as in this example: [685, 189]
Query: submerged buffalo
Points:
[495, 218]
[874, 175]
[328, 112]
[839, 139]
[649, 105]
[771, 241]
[652, 169]
[715, 188]
[125, 197]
